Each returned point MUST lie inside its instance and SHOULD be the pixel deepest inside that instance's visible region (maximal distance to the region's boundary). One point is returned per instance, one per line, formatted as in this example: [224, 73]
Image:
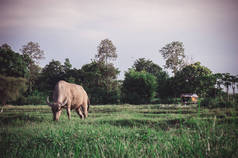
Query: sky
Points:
[138, 28]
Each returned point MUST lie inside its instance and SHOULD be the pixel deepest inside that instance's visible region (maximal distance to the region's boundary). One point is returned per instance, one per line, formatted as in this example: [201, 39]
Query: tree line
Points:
[23, 81]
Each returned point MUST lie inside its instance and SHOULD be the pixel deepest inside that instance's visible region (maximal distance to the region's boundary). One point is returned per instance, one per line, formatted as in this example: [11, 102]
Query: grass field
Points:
[120, 131]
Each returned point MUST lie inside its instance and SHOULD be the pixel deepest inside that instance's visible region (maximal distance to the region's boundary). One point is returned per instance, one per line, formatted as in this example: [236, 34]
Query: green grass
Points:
[120, 131]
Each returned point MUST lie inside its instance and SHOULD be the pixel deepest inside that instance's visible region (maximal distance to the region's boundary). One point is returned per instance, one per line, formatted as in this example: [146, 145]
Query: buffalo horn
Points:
[48, 102]
[64, 103]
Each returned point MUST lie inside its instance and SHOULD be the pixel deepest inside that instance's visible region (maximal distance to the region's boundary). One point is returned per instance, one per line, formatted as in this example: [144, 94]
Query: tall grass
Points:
[120, 131]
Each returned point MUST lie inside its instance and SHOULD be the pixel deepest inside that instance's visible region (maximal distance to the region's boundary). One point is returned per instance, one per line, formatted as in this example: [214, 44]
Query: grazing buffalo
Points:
[69, 96]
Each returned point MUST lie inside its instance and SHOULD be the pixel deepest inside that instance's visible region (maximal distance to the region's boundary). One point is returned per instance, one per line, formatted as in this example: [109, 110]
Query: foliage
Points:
[194, 78]
[51, 74]
[99, 77]
[13, 70]
[12, 63]
[11, 88]
[34, 74]
[35, 98]
[142, 64]
[138, 87]
[234, 81]
[166, 87]
[226, 78]
[163, 80]
[217, 102]
[219, 82]
[106, 51]
[174, 56]
[54, 72]
[67, 65]
[33, 52]
[101, 89]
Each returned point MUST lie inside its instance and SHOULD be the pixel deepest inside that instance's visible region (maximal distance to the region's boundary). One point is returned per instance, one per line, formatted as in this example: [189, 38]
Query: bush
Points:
[138, 87]
[100, 95]
[11, 88]
[217, 102]
[35, 98]
[99, 81]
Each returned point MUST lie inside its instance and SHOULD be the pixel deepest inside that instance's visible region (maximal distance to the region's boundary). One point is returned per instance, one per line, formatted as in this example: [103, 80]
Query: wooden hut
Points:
[189, 98]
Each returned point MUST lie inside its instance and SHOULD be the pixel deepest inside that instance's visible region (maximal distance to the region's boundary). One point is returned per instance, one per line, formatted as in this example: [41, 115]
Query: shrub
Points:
[11, 88]
[35, 98]
[138, 87]
[216, 102]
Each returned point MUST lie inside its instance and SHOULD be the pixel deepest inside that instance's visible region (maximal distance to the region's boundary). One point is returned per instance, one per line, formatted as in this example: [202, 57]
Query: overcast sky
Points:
[138, 28]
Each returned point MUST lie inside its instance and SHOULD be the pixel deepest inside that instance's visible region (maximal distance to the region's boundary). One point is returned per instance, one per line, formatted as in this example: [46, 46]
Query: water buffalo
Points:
[69, 96]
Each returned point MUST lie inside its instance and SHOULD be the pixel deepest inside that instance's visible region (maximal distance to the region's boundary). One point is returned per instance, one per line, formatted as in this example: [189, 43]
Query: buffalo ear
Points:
[48, 102]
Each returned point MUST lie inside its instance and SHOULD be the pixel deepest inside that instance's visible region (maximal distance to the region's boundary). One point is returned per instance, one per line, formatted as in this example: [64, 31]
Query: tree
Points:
[69, 74]
[233, 80]
[73, 76]
[164, 87]
[101, 89]
[13, 70]
[32, 54]
[12, 63]
[237, 81]
[139, 87]
[67, 65]
[188, 60]
[33, 51]
[34, 73]
[218, 80]
[194, 78]
[51, 74]
[11, 88]
[106, 51]
[226, 78]
[174, 56]
[54, 72]
[142, 64]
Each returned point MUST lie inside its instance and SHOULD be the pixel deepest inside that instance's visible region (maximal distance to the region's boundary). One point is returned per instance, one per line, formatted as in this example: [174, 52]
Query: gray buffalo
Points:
[69, 96]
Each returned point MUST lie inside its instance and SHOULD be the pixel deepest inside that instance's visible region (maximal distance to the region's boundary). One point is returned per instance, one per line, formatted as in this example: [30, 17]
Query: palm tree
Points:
[236, 81]
[218, 77]
[226, 78]
[233, 83]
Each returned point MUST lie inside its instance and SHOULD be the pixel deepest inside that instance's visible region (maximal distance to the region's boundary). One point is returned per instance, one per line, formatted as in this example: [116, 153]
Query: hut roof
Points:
[189, 95]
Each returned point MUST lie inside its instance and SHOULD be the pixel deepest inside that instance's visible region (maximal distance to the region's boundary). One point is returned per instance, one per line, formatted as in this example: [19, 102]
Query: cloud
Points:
[138, 27]
[132, 15]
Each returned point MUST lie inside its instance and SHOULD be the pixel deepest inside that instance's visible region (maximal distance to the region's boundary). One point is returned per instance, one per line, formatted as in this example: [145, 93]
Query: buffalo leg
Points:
[85, 110]
[80, 113]
[68, 113]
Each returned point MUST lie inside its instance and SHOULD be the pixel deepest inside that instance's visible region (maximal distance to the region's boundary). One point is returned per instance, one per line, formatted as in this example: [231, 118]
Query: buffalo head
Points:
[56, 108]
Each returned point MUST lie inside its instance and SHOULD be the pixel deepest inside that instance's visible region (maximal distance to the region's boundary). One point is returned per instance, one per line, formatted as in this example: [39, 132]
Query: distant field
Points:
[120, 131]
